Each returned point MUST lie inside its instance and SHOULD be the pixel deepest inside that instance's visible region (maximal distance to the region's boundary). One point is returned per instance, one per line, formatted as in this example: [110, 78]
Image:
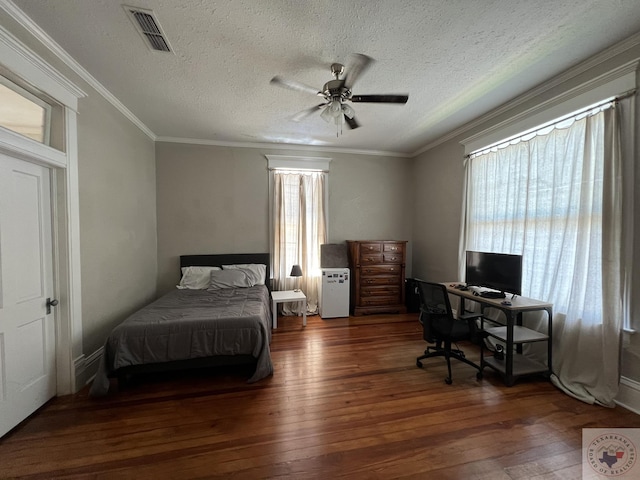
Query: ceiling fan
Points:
[338, 91]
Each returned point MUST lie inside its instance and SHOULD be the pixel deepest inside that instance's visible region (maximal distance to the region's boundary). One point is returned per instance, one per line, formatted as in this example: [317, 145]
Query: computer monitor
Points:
[498, 271]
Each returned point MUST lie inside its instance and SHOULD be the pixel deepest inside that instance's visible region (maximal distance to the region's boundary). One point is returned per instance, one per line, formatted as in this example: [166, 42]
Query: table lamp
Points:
[296, 271]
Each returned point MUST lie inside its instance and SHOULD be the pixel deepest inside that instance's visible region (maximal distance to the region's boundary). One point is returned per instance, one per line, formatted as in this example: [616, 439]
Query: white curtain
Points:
[299, 230]
[555, 198]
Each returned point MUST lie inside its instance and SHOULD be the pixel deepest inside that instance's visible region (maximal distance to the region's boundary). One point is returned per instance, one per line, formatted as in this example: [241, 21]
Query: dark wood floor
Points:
[346, 400]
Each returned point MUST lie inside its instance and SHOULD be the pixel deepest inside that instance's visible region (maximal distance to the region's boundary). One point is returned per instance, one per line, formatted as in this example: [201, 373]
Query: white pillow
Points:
[229, 279]
[255, 271]
[196, 278]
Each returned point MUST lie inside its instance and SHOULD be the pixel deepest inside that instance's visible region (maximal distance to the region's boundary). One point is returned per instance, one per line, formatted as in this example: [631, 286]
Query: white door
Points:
[27, 331]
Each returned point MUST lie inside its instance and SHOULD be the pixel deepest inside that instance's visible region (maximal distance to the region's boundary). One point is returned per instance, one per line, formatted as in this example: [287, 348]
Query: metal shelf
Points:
[520, 334]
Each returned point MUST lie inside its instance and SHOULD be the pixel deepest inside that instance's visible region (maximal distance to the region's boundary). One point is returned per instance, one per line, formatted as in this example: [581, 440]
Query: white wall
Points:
[117, 218]
[216, 200]
[116, 168]
[438, 186]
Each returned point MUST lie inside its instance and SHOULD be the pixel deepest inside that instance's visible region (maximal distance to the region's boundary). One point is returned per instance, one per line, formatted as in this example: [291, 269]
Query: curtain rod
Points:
[612, 101]
[297, 170]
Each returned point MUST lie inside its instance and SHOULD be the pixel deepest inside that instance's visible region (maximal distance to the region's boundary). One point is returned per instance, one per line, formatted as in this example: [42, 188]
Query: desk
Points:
[288, 296]
[513, 334]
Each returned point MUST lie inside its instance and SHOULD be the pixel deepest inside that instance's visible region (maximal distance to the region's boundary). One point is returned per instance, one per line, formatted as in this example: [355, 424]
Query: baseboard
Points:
[629, 395]
[86, 367]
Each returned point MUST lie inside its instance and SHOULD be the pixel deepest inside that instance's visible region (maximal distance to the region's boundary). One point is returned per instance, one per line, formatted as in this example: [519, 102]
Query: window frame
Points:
[46, 127]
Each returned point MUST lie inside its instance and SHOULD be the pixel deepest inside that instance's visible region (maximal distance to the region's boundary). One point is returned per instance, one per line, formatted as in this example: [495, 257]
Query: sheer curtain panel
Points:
[299, 230]
[555, 198]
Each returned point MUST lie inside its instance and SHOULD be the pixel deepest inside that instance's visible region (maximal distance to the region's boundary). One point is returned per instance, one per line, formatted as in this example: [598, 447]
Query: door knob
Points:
[51, 303]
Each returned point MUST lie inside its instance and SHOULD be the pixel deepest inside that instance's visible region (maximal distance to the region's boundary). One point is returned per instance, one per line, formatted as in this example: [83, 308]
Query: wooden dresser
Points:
[377, 276]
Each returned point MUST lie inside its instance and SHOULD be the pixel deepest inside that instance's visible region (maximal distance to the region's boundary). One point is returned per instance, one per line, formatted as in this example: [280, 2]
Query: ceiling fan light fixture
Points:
[326, 114]
[336, 108]
[348, 111]
[337, 92]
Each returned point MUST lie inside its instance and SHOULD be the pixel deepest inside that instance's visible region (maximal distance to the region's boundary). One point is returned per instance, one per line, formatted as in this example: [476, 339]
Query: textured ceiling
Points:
[456, 59]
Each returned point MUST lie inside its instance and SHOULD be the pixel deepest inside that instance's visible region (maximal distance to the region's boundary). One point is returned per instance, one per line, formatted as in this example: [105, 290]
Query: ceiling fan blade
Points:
[358, 64]
[305, 113]
[380, 98]
[293, 85]
[351, 122]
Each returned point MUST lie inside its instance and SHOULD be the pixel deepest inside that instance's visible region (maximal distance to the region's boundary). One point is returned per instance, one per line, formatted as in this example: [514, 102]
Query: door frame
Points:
[27, 65]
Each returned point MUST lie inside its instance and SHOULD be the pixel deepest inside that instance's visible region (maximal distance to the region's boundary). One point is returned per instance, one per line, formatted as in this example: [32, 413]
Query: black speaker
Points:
[411, 295]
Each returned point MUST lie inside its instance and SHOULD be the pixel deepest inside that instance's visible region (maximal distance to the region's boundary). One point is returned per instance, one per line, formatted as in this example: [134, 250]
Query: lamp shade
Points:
[296, 271]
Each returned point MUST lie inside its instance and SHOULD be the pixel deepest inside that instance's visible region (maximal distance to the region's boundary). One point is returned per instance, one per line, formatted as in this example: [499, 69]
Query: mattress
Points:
[189, 324]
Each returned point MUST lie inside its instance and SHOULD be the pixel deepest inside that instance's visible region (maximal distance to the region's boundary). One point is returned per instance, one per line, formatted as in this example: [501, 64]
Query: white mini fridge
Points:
[334, 293]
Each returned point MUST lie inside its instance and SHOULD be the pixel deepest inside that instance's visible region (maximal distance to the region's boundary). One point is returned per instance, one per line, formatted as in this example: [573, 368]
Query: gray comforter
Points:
[187, 324]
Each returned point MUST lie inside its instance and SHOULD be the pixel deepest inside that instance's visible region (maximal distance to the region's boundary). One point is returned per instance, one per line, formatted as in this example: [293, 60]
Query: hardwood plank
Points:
[346, 400]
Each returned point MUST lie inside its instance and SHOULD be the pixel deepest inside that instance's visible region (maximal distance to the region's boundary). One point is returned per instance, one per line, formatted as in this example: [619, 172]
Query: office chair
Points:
[439, 326]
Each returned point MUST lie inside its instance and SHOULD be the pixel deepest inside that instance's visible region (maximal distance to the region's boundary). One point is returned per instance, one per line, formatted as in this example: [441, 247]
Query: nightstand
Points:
[288, 296]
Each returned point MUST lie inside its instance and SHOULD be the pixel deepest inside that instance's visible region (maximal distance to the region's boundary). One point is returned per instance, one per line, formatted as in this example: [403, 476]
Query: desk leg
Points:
[550, 340]
[509, 349]
[304, 312]
[274, 313]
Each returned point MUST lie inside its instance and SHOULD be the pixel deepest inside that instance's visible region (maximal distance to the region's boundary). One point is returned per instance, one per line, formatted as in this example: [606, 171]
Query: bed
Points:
[219, 314]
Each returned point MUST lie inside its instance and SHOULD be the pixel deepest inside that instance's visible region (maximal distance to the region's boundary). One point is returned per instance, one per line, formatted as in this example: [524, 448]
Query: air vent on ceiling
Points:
[149, 28]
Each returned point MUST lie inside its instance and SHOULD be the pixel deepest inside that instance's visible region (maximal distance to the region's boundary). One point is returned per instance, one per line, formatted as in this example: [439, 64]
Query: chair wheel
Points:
[448, 381]
[418, 363]
[479, 376]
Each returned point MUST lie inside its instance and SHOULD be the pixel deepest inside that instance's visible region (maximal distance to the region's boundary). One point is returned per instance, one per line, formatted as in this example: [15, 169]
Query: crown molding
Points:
[44, 38]
[32, 68]
[35, 30]
[615, 82]
[592, 62]
[281, 146]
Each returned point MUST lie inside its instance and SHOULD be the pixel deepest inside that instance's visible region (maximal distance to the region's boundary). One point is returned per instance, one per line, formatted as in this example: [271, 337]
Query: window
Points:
[24, 113]
[298, 224]
[541, 196]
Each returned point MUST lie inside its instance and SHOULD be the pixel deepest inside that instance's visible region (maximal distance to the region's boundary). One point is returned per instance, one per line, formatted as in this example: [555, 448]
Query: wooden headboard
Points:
[228, 259]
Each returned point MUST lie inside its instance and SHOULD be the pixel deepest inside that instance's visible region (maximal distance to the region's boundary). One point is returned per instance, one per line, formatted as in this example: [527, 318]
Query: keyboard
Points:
[492, 294]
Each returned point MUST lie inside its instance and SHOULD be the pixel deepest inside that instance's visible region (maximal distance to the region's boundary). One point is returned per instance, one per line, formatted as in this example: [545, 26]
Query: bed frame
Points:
[124, 374]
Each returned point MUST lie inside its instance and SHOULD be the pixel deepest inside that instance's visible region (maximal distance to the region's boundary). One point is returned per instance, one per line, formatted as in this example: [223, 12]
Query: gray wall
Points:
[116, 168]
[117, 218]
[216, 200]
[438, 187]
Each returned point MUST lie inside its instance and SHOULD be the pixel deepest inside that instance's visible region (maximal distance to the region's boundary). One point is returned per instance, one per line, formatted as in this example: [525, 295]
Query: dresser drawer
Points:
[370, 248]
[381, 280]
[370, 270]
[393, 247]
[383, 290]
[371, 258]
[392, 257]
[379, 300]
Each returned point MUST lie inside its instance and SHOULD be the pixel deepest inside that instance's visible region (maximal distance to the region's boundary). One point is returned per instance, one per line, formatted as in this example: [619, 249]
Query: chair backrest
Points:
[435, 310]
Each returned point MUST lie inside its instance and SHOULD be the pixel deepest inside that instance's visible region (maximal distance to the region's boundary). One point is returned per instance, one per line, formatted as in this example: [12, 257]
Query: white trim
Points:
[21, 61]
[20, 146]
[52, 82]
[17, 57]
[608, 85]
[72, 203]
[296, 162]
[592, 62]
[48, 42]
[282, 146]
[629, 395]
